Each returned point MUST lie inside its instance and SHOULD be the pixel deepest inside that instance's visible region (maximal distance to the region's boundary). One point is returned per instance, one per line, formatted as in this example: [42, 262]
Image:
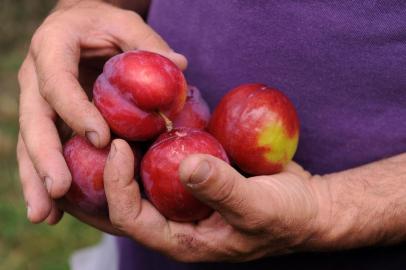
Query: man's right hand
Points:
[50, 89]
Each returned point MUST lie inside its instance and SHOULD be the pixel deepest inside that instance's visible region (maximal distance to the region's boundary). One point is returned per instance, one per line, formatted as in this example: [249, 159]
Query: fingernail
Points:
[178, 57]
[28, 211]
[175, 54]
[201, 173]
[113, 151]
[48, 184]
[93, 137]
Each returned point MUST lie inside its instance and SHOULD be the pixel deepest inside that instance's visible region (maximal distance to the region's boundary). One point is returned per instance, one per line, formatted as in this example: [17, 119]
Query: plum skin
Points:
[133, 88]
[195, 113]
[86, 164]
[160, 172]
[258, 127]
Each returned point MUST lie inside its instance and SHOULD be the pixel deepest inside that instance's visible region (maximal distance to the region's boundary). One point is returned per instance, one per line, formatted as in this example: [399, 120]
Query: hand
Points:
[254, 217]
[50, 88]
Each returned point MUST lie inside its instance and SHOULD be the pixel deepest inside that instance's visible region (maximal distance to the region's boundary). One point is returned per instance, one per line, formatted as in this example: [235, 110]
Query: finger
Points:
[56, 61]
[100, 222]
[217, 184]
[139, 35]
[55, 215]
[127, 211]
[40, 135]
[35, 194]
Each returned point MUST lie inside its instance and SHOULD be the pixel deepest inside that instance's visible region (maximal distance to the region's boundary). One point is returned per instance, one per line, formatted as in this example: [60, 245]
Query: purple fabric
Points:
[343, 64]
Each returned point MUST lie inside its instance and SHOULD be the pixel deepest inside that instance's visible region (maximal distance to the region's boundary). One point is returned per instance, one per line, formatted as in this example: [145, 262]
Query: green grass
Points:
[24, 245]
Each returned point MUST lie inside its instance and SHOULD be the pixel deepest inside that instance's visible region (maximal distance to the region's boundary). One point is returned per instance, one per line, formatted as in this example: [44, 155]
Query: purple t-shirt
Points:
[342, 63]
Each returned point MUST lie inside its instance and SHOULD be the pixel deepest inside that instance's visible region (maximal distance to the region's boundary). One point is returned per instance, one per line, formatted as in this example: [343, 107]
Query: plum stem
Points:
[168, 122]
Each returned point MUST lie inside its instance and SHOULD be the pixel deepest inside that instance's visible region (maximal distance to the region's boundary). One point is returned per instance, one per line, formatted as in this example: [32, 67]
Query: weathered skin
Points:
[133, 88]
[160, 172]
[195, 113]
[258, 127]
[86, 164]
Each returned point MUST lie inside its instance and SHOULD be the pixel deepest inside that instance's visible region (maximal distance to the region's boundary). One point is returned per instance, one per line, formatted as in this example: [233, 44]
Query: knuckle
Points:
[38, 159]
[254, 225]
[123, 218]
[153, 42]
[54, 28]
[46, 42]
[26, 124]
[118, 221]
[44, 31]
[22, 72]
[60, 188]
[47, 85]
[225, 191]
[36, 41]
[22, 120]
[41, 158]
[255, 220]
[242, 246]
[133, 16]
[19, 148]
[149, 37]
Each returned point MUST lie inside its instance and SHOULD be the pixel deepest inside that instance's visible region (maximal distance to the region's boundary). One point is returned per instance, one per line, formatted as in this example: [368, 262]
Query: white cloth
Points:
[103, 256]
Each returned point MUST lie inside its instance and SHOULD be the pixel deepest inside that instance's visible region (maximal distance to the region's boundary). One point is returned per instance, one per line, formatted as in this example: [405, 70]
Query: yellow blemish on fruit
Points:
[281, 147]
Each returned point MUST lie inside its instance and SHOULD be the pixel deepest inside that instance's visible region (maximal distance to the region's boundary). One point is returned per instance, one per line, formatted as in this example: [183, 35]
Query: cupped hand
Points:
[51, 90]
[254, 217]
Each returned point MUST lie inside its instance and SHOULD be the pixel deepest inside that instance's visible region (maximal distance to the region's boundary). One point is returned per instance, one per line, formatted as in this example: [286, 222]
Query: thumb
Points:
[217, 184]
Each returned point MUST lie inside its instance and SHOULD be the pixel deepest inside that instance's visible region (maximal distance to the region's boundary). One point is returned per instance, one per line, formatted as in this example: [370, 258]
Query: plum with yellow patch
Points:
[258, 127]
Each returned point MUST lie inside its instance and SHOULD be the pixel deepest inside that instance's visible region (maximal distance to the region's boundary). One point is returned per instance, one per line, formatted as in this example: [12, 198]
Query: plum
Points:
[195, 113]
[86, 164]
[136, 90]
[160, 172]
[258, 127]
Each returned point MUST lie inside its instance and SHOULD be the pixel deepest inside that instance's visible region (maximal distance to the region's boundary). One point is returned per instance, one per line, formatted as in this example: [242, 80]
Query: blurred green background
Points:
[23, 245]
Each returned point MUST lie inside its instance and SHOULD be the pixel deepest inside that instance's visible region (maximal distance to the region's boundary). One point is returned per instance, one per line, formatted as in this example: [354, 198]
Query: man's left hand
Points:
[254, 217]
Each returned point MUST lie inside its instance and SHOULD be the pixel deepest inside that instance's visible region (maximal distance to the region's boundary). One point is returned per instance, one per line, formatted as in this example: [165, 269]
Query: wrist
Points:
[336, 224]
[320, 227]
[331, 222]
[350, 215]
